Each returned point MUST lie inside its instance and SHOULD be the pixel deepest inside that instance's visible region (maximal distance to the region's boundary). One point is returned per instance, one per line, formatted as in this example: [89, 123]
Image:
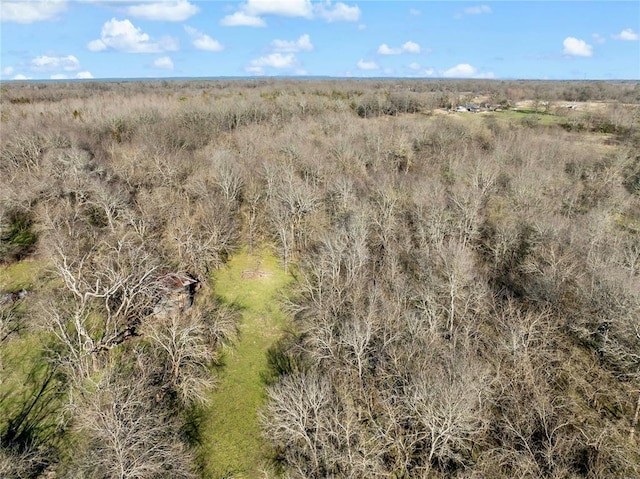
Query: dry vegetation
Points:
[467, 286]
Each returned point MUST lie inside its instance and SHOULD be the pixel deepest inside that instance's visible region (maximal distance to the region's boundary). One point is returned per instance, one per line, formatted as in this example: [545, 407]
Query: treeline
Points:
[466, 302]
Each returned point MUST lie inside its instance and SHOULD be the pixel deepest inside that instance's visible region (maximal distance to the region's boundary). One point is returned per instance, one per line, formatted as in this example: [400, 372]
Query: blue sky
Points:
[56, 39]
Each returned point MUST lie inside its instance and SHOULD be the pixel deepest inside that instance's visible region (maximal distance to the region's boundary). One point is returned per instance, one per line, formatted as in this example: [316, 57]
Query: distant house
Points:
[465, 108]
[13, 296]
[176, 292]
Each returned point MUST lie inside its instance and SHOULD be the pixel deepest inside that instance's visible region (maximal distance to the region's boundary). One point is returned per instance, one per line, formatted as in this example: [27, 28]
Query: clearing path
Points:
[232, 445]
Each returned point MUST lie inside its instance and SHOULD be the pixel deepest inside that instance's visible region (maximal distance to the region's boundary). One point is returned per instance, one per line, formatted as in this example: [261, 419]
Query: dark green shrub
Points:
[17, 238]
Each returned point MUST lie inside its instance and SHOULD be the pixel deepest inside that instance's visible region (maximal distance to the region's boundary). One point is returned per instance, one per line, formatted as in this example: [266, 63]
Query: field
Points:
[233, 444]
[336, 278]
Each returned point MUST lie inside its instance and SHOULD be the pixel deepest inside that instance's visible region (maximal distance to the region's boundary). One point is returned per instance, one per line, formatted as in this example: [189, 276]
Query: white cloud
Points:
[250, 13]
[45, 63]
[20, 76]
[122, 35]
[242, 19]
[284, 8]
[7, 71]
[363, 65]
[163, 62]
[414, 11]
[460, 70]
[31, 11]
[408, 47]
[626, 35]
[85, 75]
[172, 11]
[275, 60]
[362, 26]
[414, 66]
[301, 44]
[203, 41]
[478, 10]
[575, 47]
[598, 38]
[384, 49]
[339, 12]
[96, 46]
[411, 47]
[464, 70]
[59, 76]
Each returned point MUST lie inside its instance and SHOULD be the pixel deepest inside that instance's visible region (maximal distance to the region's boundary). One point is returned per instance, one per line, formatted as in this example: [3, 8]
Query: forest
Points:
[319, 279]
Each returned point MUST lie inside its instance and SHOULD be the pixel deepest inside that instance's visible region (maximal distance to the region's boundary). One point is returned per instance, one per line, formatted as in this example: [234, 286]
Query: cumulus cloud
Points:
[242, 19]
[598, 38]
[408, 47]
[301, 44]
[250, 13]
[59, 76]
[46, 63]
[31, 11]
[203, 41]
[7, 71]
[173, 11]
[414, 12]
[464, 70]
[626, 35]
[20, 76]
[575, 47]
[275, 60]
[363, 65]
[284, 8]
[123, 36]
[164, 63]
[477, 10]
[85, 75]
[414, 66]
[338, 12]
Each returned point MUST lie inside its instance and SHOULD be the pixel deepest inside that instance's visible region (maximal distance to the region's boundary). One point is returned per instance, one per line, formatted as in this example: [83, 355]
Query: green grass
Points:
[232, 445]
[526, 116]
[23, 274]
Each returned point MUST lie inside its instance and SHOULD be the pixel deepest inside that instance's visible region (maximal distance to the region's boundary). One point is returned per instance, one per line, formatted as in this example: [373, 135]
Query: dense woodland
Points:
[466, 301]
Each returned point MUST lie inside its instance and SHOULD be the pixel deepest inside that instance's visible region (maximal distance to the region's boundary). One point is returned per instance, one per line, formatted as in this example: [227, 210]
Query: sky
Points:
[81, 39]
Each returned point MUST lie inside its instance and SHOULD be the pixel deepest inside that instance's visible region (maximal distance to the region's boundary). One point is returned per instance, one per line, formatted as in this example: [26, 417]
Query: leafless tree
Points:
[106, 293]
[187, 345]
[294, 420]
[125, 434]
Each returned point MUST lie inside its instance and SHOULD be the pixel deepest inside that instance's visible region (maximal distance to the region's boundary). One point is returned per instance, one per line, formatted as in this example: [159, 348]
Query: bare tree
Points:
[187, 345]
[107, 293]
[125, 434]
[294, 420]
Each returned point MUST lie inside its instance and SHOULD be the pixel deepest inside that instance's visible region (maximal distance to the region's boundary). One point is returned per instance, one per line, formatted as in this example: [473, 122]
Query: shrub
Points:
[17, 237]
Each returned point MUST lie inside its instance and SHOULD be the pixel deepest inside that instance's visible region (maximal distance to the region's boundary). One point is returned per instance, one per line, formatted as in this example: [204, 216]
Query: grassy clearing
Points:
[231, 442]
[529, 117]
[23, 274]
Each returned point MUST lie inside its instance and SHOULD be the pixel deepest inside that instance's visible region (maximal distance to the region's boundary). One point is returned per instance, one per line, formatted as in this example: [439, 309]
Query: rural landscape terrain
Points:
[320, 279]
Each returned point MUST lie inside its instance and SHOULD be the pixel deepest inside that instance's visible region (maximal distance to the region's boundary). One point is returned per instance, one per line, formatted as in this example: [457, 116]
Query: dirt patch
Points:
[253, 274]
